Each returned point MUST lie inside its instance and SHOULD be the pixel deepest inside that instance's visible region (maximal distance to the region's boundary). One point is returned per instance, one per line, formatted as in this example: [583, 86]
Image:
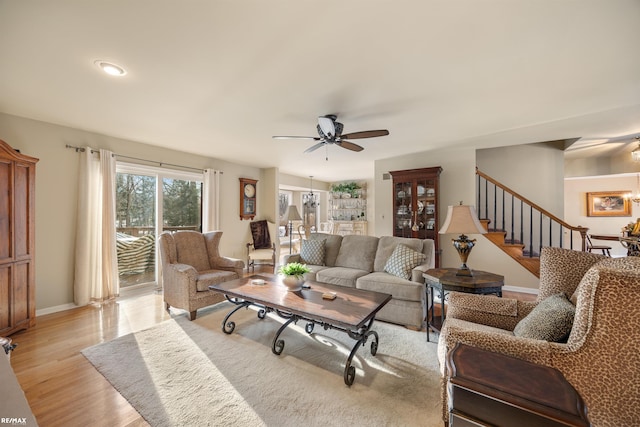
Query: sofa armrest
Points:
[503, 313]
[416, 273]
[291, 258]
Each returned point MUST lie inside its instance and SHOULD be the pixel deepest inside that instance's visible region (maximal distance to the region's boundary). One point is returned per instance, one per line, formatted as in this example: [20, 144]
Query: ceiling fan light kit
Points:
[330, 132]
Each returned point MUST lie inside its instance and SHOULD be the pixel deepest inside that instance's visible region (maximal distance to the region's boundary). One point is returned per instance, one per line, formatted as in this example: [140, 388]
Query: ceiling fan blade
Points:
[327, 125]
[314, 147]
[366, 134]
[349, 145]
[315, 138]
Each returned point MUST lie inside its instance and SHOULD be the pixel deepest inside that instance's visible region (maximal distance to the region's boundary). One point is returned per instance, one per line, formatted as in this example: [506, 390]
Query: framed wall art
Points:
[608, 203]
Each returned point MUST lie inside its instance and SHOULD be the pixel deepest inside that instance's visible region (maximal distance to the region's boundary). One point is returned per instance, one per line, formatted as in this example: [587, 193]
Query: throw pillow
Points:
[403, 260]
[312, 252]
[260, 234]
[551, 320]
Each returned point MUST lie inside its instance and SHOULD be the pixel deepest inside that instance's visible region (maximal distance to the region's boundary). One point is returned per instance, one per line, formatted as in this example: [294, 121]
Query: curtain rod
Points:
[161, 164]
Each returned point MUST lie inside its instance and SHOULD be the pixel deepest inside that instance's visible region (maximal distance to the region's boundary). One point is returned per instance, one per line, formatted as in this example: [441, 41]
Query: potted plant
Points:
[350, 188]
[293, 275]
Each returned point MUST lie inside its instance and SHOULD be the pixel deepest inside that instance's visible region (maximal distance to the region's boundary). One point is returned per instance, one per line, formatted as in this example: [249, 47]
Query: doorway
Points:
[149, 201]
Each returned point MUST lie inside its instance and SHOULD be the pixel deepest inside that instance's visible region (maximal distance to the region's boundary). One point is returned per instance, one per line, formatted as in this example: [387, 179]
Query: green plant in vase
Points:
[293, 275]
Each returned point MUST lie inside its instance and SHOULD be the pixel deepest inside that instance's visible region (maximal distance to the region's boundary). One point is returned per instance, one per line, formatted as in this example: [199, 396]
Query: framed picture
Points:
[608, 203]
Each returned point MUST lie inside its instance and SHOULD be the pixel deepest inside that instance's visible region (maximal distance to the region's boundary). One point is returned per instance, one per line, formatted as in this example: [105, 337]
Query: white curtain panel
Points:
[96, 267]
[211, 200]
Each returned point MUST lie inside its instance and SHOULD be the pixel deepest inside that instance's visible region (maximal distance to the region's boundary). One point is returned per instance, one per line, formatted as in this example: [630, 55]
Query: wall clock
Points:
[247, 198]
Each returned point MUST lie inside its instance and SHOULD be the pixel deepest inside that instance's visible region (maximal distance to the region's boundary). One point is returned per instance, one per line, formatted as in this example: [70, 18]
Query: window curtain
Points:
[96, 267]
[211, 200]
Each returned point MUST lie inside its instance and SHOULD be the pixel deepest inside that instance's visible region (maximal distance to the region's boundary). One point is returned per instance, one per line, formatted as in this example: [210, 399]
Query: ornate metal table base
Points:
[277, 346]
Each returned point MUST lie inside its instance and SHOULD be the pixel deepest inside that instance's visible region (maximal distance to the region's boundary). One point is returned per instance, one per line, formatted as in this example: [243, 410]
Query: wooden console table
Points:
[492, 389]
[445, 280]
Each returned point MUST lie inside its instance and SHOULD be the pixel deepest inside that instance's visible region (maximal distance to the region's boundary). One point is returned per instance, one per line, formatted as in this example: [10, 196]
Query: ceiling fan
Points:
[330, 132]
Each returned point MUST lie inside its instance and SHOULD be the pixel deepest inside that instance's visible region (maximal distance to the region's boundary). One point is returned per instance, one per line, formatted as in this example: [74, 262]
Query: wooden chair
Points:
[591, 247]
[258, 249]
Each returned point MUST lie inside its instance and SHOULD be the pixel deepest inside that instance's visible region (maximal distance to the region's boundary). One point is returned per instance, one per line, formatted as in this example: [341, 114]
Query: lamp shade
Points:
[462, 219]
[292, 213]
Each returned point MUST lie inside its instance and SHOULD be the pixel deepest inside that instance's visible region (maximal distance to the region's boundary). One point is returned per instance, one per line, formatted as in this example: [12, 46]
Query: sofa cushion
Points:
[401, 289]
[312, 252]
[357, 252]
[551, 320]
[341, 276]
[402, 261]
[332, 243]
[191, 249]
[386, 246]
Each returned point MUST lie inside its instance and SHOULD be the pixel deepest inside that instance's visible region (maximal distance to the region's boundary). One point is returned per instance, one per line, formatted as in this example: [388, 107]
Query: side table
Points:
[492, 389]
[445, 280]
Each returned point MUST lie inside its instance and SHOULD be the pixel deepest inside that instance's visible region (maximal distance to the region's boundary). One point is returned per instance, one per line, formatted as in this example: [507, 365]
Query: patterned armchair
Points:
[191, 263]
[600, 358]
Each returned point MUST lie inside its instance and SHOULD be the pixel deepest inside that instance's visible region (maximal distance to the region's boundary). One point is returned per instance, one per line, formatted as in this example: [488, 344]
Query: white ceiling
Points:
[220, 77]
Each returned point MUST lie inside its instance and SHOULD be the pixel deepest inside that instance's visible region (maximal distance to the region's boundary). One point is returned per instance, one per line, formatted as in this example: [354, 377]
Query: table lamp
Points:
[291, 214]
[462, 219]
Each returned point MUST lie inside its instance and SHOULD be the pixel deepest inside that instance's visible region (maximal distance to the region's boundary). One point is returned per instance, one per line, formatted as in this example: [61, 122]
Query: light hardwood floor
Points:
[62, 387]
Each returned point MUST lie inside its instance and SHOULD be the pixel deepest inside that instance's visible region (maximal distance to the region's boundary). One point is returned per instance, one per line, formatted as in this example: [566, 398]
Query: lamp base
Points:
[464, 271]
[463, 245]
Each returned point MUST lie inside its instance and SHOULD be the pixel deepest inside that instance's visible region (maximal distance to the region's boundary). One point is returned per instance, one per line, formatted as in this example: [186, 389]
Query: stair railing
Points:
[523, 221]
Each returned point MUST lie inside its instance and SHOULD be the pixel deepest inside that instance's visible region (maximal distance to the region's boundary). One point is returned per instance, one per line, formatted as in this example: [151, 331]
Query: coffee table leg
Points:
[362, 336]
[228, 327]
[278, 345]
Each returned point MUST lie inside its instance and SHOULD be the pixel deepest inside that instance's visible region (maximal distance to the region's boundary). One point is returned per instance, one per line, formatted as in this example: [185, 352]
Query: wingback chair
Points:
[191, 262]
[600, 357]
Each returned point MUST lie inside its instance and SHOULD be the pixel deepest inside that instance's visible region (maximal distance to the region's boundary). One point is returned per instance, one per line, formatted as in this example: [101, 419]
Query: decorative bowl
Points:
[293, 283]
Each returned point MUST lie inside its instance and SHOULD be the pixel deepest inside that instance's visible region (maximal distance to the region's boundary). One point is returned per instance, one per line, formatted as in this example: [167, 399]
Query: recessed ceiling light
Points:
[110, 68]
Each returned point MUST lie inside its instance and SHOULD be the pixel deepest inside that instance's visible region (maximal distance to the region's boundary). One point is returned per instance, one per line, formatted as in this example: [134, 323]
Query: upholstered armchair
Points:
[600, 356]
[263, 247]
[191, 262]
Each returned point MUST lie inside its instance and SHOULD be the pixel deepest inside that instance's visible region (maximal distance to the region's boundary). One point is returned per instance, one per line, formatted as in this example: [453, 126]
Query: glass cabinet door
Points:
[424, 217]
[402, 209]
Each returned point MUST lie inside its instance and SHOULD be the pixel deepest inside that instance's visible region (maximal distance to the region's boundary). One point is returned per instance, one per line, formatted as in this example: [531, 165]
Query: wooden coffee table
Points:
[352, 311]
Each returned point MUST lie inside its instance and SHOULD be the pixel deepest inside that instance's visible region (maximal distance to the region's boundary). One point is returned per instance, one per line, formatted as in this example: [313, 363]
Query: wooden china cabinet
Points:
[415, 204]
[17, 240]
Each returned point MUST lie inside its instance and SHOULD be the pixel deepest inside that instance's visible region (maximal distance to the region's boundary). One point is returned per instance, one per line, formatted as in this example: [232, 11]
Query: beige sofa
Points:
[359, 262]
[600, 356]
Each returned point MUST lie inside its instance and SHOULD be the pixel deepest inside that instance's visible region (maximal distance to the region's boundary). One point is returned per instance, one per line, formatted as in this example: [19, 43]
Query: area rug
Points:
[182, 373]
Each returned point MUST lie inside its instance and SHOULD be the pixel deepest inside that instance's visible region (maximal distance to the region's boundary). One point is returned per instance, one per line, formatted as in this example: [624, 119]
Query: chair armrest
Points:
[536, 351]
[179, 282]
[503, 313]
[229, 264]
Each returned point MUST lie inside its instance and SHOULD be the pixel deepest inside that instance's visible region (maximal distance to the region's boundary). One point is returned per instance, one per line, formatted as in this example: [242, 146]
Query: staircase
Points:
[520, 227]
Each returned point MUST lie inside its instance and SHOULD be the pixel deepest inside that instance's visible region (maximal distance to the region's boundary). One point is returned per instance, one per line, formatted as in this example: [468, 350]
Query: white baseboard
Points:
[521, 290]
[55, 309]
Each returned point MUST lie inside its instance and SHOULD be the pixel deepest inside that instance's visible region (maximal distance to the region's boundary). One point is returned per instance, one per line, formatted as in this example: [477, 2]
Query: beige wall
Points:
[56, 195]
[457, 183]
[576, 206]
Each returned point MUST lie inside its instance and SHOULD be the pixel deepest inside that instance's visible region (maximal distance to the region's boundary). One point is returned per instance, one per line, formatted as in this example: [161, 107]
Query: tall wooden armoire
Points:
[17, 240]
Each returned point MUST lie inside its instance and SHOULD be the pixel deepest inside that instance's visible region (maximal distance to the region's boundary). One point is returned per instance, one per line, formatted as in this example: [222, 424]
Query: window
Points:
[149, 201]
